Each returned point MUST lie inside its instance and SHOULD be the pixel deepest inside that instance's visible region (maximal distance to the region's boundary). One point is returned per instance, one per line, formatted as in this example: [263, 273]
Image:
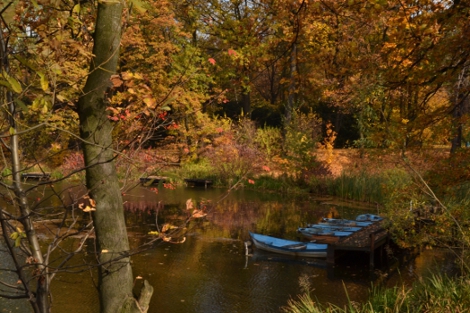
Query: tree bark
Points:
[116, 279]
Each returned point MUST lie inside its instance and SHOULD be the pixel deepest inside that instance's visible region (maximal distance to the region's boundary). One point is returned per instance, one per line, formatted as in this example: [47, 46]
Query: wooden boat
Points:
[368, 218]
[288, 247]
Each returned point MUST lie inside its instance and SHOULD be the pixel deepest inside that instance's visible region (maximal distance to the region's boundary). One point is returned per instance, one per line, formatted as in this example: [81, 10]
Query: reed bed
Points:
[436, 294]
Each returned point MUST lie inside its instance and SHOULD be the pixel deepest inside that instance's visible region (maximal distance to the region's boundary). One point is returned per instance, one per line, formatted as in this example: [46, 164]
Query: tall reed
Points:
[435, 294]
[366, 187]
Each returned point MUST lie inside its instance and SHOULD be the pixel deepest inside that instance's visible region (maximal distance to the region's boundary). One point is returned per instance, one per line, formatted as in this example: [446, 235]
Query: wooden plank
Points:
[152, 180]
[36, 176]
[366, 240]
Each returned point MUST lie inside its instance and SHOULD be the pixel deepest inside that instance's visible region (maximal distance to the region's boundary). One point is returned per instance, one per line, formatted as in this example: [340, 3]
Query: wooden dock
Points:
[152, 180]
[368, 240]
[198, 182]
[36, 176]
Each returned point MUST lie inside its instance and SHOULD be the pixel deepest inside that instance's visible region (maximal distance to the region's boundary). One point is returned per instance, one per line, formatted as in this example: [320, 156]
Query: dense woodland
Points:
[236, 89]
[378, 74]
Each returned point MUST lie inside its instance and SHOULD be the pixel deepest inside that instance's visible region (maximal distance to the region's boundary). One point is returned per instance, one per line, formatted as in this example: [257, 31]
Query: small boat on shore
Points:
[288, 247]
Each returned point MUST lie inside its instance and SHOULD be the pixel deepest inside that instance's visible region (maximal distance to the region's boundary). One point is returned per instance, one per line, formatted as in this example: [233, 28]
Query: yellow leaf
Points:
[139, 5]
[89, 209]
[15, 85]
[44, 109]
[150, 102]
[126, 75]
[76, 8]
[138, 76]
[62, 98]
[44, 82]
[166, 227]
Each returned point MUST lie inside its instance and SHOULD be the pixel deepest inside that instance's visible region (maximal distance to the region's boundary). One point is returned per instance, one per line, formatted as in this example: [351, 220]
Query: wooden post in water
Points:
[372, 248]
[330, 254]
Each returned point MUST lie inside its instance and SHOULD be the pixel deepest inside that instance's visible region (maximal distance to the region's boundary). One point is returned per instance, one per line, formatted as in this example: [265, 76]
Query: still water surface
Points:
[210, 271]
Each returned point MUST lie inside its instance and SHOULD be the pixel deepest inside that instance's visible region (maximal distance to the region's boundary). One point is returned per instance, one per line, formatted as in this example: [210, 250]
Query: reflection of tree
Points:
[231, 218]
[269, 217]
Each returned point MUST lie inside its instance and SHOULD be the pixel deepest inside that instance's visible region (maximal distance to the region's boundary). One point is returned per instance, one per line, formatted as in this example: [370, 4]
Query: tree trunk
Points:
[246, 103]
[116, 279]
[460, 109]
[40, 298]
[292, 86]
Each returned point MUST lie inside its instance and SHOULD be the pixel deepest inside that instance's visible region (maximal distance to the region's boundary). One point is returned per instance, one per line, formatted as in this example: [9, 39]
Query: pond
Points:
[211, 271]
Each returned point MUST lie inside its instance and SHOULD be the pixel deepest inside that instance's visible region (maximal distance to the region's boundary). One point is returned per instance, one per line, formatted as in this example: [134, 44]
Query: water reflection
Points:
[210, 272]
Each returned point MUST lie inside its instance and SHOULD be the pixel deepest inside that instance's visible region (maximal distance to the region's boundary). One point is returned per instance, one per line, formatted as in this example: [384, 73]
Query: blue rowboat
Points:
[288, 247]
[308, 232]
[368, 218]
[343, 222]
[333, 228]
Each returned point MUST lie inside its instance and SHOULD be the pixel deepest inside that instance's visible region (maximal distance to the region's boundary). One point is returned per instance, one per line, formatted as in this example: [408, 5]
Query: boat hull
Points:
[368, 218]
[288, 247]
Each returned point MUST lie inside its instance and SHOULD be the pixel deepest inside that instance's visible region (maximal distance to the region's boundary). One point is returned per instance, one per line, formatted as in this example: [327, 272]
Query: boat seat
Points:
[296, 246]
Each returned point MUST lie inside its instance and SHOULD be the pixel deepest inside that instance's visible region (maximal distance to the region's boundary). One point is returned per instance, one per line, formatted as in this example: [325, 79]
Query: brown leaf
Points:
[189, 204]
[116, 81]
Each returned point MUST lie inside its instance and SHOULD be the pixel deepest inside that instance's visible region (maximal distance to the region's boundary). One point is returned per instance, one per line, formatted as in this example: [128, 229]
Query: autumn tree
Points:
[38, 81]
[115, 277]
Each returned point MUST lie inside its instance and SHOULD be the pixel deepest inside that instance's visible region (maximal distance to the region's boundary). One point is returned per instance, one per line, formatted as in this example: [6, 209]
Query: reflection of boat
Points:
[265, 256]
[368, 218]
[343, 222]
[288, 247]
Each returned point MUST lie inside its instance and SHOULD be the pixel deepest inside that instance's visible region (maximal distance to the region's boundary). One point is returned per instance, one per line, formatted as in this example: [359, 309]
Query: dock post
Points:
[372, 251]
[330, 254]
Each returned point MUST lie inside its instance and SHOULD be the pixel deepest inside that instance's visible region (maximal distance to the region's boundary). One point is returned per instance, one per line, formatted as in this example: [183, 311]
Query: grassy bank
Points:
[436, 294]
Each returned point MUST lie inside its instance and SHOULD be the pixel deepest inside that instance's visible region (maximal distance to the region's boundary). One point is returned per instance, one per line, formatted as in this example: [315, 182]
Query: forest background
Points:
[260, 94]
